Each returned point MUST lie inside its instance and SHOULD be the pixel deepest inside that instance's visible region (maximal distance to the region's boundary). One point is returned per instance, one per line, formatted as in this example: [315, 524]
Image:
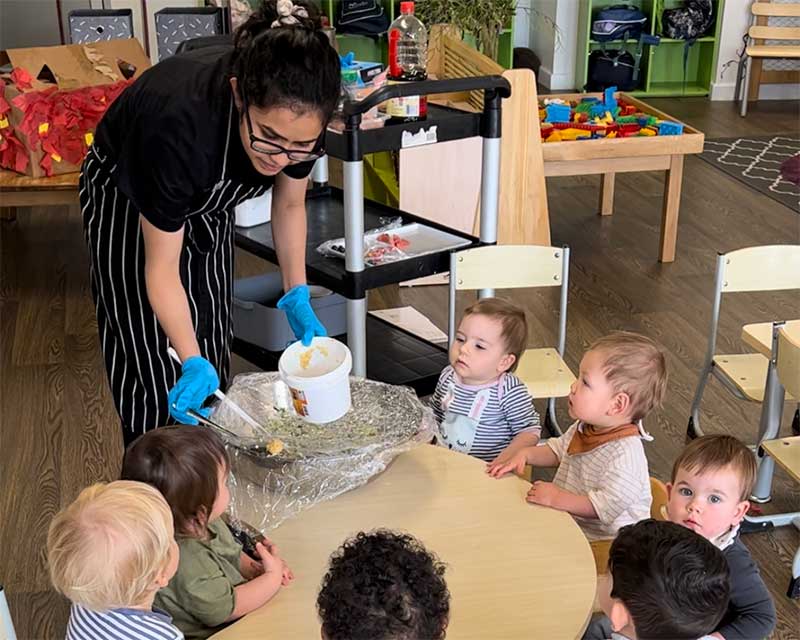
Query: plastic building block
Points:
[609, 99]
[667, 128]
[647, 131]
[557, 113]
[597, 110]
[549, 101]
[554, 137]
[574, 134]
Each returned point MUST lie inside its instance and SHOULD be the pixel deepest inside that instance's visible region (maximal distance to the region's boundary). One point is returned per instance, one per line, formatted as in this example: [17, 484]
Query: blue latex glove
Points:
[302, 319]
[345, 62]
[198, 381]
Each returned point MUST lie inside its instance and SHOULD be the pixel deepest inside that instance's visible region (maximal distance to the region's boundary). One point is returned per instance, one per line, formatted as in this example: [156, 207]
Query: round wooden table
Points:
[514, 570]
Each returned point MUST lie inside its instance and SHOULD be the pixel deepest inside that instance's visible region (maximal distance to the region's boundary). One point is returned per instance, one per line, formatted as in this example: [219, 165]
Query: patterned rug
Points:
[756, 161]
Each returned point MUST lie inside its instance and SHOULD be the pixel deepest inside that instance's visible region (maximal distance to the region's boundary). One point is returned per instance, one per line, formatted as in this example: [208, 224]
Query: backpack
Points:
[689, 22]
[361, 17]
[612, 23]
[612, 68]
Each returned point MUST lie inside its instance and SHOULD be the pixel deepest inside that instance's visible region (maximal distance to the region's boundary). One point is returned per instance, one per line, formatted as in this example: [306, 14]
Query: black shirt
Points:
[166, 135]
[751, 612]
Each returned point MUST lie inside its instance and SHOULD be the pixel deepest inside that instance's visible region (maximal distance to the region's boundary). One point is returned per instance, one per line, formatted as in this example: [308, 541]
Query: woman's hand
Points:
[198, 380]
[302, 319]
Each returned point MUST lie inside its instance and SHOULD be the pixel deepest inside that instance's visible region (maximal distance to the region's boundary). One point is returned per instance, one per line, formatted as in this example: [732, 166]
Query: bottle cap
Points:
[406, 8]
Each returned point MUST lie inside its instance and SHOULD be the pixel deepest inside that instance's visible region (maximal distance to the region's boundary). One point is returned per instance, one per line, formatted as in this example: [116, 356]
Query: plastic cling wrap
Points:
[311, 462]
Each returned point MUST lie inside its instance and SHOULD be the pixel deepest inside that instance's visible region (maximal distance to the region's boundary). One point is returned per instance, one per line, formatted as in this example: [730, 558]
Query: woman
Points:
[176, 152]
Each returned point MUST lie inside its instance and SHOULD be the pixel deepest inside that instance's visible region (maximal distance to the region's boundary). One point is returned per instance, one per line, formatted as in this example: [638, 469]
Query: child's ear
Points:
[506, 362]
[619, 616]
[741, 510]
[620, 404]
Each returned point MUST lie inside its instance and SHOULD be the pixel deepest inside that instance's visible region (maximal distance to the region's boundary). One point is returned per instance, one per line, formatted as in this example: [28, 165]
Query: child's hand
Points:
[286, 575]
[543, 493]
[269, 557]
[507, 462]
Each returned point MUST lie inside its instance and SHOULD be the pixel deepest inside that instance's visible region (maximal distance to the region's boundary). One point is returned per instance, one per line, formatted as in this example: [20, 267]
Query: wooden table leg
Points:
[672, 203]
[607, 194]
[8, 213]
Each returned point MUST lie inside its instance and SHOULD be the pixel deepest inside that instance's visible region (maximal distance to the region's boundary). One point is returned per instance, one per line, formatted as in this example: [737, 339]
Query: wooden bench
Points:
[756, 51]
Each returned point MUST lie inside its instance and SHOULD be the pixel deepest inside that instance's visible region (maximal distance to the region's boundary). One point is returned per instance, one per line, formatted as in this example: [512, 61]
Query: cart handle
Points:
[490, 84]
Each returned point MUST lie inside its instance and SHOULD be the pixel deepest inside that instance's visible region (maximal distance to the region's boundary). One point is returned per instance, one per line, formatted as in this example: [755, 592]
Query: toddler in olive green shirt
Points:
[216, 582]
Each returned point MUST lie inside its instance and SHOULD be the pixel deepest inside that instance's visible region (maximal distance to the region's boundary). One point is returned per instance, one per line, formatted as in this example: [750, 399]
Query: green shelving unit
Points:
[376, 49]
[662, 67]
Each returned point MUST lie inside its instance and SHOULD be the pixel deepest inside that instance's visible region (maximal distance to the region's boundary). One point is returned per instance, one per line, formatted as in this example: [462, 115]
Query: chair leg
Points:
[693, 429]
[748, 65]
[550, 419]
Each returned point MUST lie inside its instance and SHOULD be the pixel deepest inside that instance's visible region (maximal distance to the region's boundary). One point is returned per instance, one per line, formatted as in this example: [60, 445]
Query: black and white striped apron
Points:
[140, 372]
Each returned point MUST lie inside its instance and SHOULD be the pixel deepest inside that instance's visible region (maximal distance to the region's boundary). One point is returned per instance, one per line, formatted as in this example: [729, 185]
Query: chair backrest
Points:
[788, 364]
[658, 508]
[510, 267]
[761, 268]
[776, 9]
[766, 10]
[764, 268]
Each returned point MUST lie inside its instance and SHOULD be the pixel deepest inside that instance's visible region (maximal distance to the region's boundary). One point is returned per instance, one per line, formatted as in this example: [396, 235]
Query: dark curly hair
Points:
[292, 66]
[384, 585]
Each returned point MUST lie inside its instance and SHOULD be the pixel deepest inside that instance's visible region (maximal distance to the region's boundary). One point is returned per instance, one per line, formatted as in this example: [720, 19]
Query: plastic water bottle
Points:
[408, 57]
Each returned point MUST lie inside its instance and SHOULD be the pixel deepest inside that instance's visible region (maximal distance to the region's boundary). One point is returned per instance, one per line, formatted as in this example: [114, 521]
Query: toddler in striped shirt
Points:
[482, 408]
[602, 477]
[109, 552]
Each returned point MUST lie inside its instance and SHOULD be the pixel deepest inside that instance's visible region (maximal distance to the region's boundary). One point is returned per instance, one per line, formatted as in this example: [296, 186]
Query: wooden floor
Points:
[59, 431]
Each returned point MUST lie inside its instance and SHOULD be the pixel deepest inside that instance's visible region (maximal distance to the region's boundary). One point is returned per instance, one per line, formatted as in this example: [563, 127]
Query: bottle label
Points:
[406, 107]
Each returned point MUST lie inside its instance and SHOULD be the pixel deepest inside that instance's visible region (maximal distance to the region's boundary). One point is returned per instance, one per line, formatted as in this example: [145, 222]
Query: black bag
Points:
[689, 22]
[612, 68]
[613, 23]
[361, 17]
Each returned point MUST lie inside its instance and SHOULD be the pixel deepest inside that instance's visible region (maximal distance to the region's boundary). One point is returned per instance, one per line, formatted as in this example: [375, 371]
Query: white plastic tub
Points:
[254, 211]
[318, 377]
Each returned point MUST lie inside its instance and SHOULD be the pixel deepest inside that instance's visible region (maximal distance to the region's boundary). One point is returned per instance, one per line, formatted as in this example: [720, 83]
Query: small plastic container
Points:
[318, 377]
[254, 211]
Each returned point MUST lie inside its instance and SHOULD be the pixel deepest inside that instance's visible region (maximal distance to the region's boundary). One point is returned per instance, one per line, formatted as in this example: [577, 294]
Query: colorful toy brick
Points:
[574, 134]
[554, 137]
[667, 128]
[609, 99]
[557, 113]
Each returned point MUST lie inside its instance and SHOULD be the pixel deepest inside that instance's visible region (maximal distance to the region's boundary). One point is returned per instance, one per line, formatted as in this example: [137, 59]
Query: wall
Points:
[556, 51]
[34, 23]
[735, 21]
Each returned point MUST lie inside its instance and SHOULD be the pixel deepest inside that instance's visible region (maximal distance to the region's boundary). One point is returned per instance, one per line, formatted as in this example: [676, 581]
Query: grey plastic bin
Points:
[256, 319]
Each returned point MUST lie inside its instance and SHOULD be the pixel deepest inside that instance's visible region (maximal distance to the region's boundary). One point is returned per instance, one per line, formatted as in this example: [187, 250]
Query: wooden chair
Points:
[765, 268]
[658, 511]
[542, 370]
[785, 451]
[760, 32]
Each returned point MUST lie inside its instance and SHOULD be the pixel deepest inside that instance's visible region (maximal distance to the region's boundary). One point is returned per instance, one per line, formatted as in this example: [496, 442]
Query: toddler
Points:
[482, 408]
[663, 581]
[711, 483]
[602, 477]
[216, 582]
[383, 585]
[109, 552]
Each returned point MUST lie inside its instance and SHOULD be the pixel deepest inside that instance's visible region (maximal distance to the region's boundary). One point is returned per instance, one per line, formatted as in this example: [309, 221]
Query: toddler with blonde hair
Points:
[109, 552]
